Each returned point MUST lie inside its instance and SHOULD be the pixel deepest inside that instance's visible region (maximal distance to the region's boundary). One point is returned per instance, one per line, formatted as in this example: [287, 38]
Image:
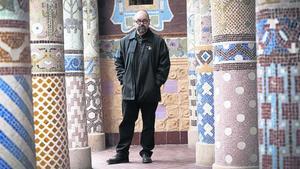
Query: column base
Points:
[96, 141]
[192, 138]
[205, 155]
[215, 166]
[80, 158]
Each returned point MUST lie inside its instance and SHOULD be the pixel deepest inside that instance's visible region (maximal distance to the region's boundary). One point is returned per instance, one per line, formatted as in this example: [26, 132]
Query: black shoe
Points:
[118, 159]
[146, 158]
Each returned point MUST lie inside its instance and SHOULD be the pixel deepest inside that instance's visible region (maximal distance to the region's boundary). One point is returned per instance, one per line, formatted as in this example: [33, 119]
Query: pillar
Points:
[93, 107]
[193, 131]
[80, 152]
[48, 84]
[204, 86]
[16, 117]
[234, 50]
[278, 36]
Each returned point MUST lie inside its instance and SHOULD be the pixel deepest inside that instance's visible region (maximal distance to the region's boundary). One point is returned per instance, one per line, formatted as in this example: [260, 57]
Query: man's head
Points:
[142, 22]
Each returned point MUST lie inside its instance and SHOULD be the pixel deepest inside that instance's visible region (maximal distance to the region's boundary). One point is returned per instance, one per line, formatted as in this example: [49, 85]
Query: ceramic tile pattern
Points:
[192, 9]
[235, 100]
[277, 24]
[49, 102]
[73, 51]
[16, 117]
[204, 72]
[123, 14]
[92, 67]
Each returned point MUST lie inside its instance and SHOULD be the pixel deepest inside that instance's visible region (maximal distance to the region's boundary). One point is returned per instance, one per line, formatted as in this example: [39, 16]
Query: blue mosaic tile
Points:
[73, 62]
[27, 87]
[4, 165]
[17, 126]
[205, 107]
[15, 151]
[16, 99]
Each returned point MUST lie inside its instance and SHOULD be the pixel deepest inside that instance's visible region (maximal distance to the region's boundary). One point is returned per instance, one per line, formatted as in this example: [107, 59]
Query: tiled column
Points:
[278, 37]
[204, 86]
[234, 50]
[92, 75]
[48, 84]
[80, 152]
[192, 9]
[16, 117]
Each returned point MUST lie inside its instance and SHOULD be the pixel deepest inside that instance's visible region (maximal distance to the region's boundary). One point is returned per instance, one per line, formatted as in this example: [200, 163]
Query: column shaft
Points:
[278, 35]
[48, 83]
[16, 117]
[80, 152]
[233, 33]
[204, 85]
[92, 75]
[191, 12]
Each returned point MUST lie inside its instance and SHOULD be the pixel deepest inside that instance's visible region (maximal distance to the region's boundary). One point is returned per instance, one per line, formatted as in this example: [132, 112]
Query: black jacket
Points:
[154, 70]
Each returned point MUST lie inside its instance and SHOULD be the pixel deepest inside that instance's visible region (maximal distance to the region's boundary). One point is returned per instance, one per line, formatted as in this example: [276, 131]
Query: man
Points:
[142, 66]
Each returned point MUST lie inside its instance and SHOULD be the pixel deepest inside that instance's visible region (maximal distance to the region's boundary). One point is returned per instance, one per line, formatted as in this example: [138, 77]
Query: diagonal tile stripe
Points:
[22, 80]
[15, 111]
[18, 140]
[13, 149]
[16, 98]
[17, 126]
[4, 165]
[18, 87]
[10, 159]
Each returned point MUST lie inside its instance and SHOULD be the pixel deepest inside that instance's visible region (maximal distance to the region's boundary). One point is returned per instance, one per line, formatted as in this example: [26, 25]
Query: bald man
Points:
[142, 66]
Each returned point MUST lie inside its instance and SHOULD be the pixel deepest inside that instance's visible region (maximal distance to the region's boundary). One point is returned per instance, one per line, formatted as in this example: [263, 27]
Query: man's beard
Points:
[142, 29]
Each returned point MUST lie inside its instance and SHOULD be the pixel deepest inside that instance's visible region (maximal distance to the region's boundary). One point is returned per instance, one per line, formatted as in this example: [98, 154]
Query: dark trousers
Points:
[130, 110]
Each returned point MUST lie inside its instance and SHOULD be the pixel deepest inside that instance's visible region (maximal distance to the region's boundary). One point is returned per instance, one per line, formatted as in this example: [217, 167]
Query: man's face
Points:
[142, 23]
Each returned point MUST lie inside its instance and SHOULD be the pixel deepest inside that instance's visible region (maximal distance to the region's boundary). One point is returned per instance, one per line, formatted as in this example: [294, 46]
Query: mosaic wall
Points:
[16, 118]
[233, 33]
[177, 47]
[171, 115]
[172, 10]
[159, 13]
[278, 30]
[48, 84]
[172, 112]
[73, 51]
[92, 67]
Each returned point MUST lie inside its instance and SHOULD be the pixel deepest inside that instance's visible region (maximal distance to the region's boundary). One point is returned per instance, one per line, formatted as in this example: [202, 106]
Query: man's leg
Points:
[130, 110]
[148, 116]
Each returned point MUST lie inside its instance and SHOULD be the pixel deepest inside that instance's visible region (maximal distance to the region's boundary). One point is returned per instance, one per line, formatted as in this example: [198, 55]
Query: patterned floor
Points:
[164, 157]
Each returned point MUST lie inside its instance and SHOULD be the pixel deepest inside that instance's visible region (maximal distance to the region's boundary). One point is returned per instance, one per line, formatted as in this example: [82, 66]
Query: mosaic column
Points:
[93, 105]
[235, 97]
[48, 84]
[16, 118]
[80, 152]
[192, 10]
[204, 85]
[278, 37]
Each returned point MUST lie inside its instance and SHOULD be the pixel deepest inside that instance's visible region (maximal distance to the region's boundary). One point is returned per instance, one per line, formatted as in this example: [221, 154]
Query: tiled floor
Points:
[164, 157]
